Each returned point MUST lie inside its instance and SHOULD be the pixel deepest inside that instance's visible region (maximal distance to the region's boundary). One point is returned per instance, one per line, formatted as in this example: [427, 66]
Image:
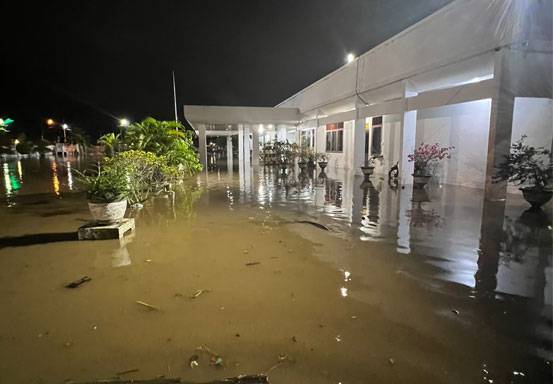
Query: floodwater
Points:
[405, 287]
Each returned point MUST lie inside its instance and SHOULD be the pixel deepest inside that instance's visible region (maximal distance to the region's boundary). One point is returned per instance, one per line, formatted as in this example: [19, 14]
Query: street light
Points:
[64, 128]
[50, 122]
[124, 123]
[350, 57]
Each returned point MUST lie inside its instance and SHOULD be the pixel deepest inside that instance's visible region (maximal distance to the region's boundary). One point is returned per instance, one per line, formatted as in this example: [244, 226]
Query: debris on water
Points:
[193, 361]
[127, 371]
[313, 223]
[77, 283]
[251, 218]
[137, 206]
[391, 361]
[282, 359]
[94, 327]
[199, 292]
[178, 294]
[517, 373]
[294, 339]
[149, 306]
[338, 338]
[455, 311]
[216, 361]
[245, 251]
[252, 263]
[148, 260]
[68, 344]
[237, 335]
[354, 317]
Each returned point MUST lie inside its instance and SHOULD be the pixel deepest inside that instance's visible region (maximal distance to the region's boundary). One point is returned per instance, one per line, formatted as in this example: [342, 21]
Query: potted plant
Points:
[303, 158]
[426, 158]
[106, 191]
[531, 168]
[322, 160]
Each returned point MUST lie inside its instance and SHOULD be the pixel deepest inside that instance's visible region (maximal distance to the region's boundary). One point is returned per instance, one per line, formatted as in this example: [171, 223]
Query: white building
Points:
[477, 74]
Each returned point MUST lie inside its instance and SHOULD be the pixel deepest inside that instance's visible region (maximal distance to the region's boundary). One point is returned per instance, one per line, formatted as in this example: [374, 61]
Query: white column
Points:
[246, 146]
[202, 144]
[255, 145]
[240, 145]
[358, 155]
[407, 146]
[407, 140]
[501, 126]
[229, 153]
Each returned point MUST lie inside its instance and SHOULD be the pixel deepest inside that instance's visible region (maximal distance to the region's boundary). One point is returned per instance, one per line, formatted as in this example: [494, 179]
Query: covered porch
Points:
[254, 126]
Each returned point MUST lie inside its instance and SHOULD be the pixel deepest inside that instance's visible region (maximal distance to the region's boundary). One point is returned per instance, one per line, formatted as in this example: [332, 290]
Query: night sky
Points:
[90, 62]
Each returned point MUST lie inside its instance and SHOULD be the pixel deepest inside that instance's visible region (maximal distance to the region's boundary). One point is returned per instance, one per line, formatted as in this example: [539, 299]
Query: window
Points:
[335, 137]
[307, 138]
[376, 143]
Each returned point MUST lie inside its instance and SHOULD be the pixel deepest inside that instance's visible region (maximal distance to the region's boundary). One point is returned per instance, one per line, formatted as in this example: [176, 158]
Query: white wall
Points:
[466, 127]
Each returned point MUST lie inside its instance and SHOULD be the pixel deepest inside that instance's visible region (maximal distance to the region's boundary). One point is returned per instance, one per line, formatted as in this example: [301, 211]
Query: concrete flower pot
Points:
[322, 165]
[536, 196]
[108, 213]
[367, 171]
[420, 181]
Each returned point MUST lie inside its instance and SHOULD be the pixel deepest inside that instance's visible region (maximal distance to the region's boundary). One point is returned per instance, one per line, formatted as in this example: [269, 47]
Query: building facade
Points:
[476, 75]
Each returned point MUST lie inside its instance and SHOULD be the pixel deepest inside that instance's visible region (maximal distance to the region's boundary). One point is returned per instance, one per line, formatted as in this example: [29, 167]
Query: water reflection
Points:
[55, 179]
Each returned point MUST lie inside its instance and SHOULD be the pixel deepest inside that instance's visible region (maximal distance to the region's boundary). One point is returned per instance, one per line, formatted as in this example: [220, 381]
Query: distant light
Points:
[124, 122]
[270, 126]
[350, 57]
[50, 122]
[64, 126]
[261, 129]
[16, 141]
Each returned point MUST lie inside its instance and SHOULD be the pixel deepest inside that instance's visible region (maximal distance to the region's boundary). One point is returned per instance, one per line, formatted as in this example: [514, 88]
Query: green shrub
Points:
[145, 173]
[24, 148]
[104, 185]
[165, 138]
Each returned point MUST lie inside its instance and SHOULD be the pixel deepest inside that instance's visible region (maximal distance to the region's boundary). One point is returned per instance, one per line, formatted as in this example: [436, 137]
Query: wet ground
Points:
[433, 286]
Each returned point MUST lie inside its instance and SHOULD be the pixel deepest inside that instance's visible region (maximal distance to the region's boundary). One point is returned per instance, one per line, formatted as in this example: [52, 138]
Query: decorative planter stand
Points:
[322, 165]
[95, 231]
[367, 171]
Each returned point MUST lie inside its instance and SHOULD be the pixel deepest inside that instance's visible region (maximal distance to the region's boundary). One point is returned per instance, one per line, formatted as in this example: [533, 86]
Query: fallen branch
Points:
[318, 225]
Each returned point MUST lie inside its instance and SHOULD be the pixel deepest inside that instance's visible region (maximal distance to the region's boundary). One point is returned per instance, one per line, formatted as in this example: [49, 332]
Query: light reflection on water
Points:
[447, 228]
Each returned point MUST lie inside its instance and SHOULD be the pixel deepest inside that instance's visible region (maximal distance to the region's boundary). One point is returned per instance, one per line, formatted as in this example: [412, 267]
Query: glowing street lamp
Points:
[124, 123]
[64, 127]
[350, 57]
[50, 122]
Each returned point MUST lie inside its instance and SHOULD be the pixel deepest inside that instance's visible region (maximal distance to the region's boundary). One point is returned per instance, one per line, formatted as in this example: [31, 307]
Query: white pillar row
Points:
[202, 144]
[255, 145]
[229, 153]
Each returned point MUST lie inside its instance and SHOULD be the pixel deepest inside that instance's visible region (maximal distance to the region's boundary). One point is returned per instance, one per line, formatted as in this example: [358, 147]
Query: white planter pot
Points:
[107, 213]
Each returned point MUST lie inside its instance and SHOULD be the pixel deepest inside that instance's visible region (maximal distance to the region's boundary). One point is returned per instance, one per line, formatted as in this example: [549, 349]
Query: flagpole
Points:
[175, 96]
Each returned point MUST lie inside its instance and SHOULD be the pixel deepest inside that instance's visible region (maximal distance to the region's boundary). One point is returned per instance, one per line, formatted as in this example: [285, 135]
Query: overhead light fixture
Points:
[350, 57]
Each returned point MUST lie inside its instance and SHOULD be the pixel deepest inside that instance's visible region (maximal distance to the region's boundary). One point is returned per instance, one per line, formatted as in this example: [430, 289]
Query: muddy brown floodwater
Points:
[426, 287]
